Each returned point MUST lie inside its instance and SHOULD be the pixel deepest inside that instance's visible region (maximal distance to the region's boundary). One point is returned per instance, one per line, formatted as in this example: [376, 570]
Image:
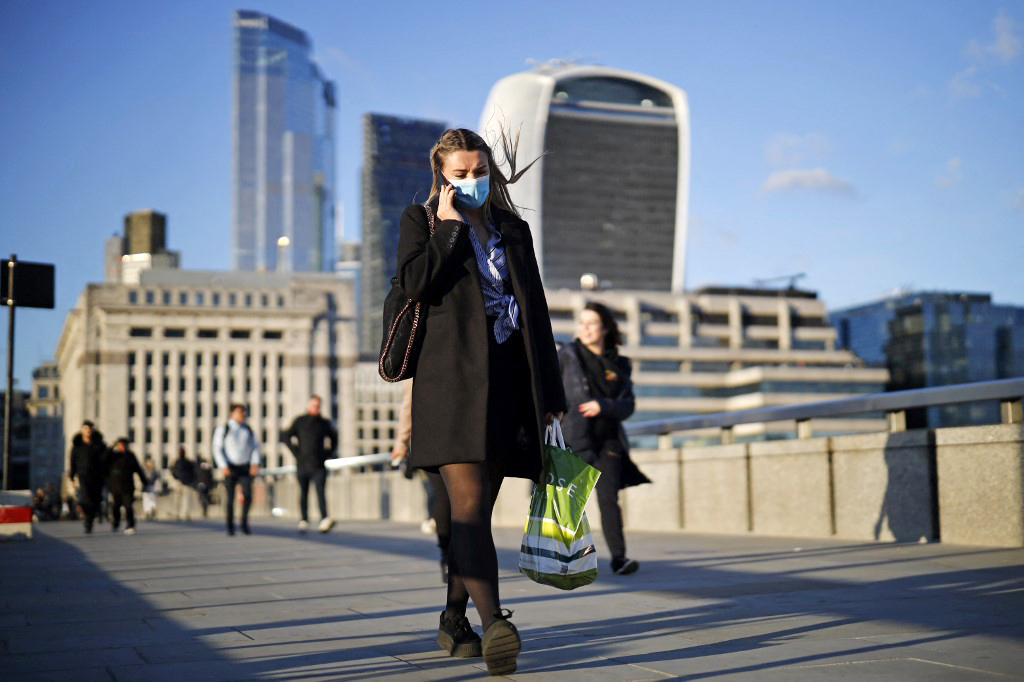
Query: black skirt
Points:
[510, 411]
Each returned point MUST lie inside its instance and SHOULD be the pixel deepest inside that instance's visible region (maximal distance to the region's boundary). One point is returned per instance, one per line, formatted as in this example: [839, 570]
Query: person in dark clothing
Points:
[599, 390]
[122, 467]
[87, 471]
[312, 440]
[204, 483]
[184, 472]
[487, 377]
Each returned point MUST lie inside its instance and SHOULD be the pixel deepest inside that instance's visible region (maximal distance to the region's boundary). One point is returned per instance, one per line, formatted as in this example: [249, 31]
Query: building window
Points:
[199, 409]
[248, 385]
[131, 383]
[216, 359]
[199, 298]
[181, 436]
[280, 411]
[272, 335]
[181, 385]
[239, 333]
[133, 297]
[166, 359]
[150, 298]
[263, 363]
[131, 435]
[216, 410]
[215, 299]
[182, 298]
[248, 300]
[149, 435]
[216, 384]
[264, 300]
[131, 359]
[231, 384]
[166, 409]
[280, 361]
[181, 359]
[280, 301]
[263, 386]
[149, 409]
[263, 409]
[206, 334]
[181, 413]
[131, 408]
[140, 331]
[199, 435]
[231, 299]
[175, 333]
[149, 384]
[167, 384]
[280, 385]
[149, 359]
[199, 359]
[167, 298]
[164, 436]
[231, 359]
[248, 360]
[199, 384]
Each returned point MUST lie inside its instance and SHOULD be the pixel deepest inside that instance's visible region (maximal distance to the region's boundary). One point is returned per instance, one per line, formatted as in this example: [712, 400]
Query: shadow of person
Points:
[910, 503]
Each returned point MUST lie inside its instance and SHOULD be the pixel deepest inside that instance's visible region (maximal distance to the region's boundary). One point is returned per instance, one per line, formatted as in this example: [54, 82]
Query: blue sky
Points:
[870, 144]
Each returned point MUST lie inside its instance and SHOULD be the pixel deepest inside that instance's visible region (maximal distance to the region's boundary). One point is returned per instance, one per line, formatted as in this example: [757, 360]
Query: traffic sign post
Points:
[29, 285]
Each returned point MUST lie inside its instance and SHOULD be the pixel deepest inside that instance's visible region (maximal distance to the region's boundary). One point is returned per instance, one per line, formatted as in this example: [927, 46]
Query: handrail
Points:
[894, 401]
[336, 464]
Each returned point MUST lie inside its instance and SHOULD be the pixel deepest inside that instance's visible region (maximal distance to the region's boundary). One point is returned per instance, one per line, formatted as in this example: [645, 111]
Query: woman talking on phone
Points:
[487, 376]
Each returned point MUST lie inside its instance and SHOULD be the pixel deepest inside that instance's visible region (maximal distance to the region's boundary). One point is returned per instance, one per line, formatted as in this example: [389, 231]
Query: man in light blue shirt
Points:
[237, 454]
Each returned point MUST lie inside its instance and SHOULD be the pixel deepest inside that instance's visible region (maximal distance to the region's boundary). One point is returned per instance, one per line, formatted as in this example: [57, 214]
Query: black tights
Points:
[472, 560]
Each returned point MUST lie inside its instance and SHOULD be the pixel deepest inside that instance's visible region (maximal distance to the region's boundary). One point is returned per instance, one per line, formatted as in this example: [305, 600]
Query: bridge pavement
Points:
[185, 602]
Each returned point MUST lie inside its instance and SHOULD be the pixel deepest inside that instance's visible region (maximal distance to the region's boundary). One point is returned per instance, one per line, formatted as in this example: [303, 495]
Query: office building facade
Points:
[160, 362]
[396, 173]
[283, 150]
[609, 191]
[936, 339]
[46, 427]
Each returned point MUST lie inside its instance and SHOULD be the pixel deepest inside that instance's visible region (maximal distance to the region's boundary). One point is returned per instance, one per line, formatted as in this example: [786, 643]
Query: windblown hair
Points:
[612, 335]
[464, 140]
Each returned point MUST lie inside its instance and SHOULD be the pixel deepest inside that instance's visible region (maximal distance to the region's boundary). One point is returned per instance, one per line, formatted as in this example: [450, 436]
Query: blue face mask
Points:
[472, 193]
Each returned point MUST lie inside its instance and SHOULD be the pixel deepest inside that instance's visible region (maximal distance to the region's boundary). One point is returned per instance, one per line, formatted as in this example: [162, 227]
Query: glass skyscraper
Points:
[937, 339]
[396, 173]
[283, 149]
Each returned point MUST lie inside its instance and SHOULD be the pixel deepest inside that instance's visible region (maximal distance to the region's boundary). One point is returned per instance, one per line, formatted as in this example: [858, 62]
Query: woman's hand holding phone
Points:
[446, 203]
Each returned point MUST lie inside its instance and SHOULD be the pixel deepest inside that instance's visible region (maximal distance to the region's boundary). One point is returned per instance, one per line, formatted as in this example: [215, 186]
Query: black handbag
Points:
[403, 318]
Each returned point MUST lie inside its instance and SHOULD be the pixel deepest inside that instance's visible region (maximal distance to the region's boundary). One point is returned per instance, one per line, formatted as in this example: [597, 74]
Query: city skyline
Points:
[872, 147]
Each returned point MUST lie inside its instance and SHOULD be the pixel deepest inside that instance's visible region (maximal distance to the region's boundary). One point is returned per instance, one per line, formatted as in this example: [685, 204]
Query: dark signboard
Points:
[33, 284]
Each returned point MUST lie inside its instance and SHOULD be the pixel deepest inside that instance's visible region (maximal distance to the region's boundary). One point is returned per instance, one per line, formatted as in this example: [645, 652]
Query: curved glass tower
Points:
[283, 150]
[609, 193]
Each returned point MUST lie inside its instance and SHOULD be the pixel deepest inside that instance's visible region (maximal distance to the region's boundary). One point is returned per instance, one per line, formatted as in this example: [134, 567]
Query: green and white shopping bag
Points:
[558, 549]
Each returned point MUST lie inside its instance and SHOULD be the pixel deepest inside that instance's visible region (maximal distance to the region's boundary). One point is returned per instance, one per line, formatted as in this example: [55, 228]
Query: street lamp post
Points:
[282, 248]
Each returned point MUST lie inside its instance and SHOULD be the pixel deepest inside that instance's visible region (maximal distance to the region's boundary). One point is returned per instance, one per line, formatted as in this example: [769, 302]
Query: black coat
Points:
[312, 439]
[122, 467]
[577, 429]
[87, 461]
[449, 396]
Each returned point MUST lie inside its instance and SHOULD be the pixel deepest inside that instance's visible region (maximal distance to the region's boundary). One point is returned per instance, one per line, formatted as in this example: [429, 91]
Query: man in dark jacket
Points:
[87, 470]
[122, 467]
[312, 439]
[184, 472]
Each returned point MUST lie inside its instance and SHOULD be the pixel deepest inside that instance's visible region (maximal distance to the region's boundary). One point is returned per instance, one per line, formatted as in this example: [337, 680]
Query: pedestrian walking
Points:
[487, 376]
[184, 472]
[312, 440]
[150, 479]
[237, 454]
[599, 390]
[87, 471]
[122, 467]
[204, 483]
[438, 508]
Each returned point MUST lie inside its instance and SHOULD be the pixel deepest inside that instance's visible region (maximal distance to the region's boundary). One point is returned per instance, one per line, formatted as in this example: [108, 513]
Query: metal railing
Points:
[336, 464]
[1009, 392]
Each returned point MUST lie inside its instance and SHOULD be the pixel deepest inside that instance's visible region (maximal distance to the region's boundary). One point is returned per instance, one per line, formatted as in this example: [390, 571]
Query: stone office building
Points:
[722, 349]
[161, 361]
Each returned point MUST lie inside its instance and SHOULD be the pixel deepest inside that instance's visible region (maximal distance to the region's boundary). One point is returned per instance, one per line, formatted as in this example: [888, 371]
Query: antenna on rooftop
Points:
[762, 283]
